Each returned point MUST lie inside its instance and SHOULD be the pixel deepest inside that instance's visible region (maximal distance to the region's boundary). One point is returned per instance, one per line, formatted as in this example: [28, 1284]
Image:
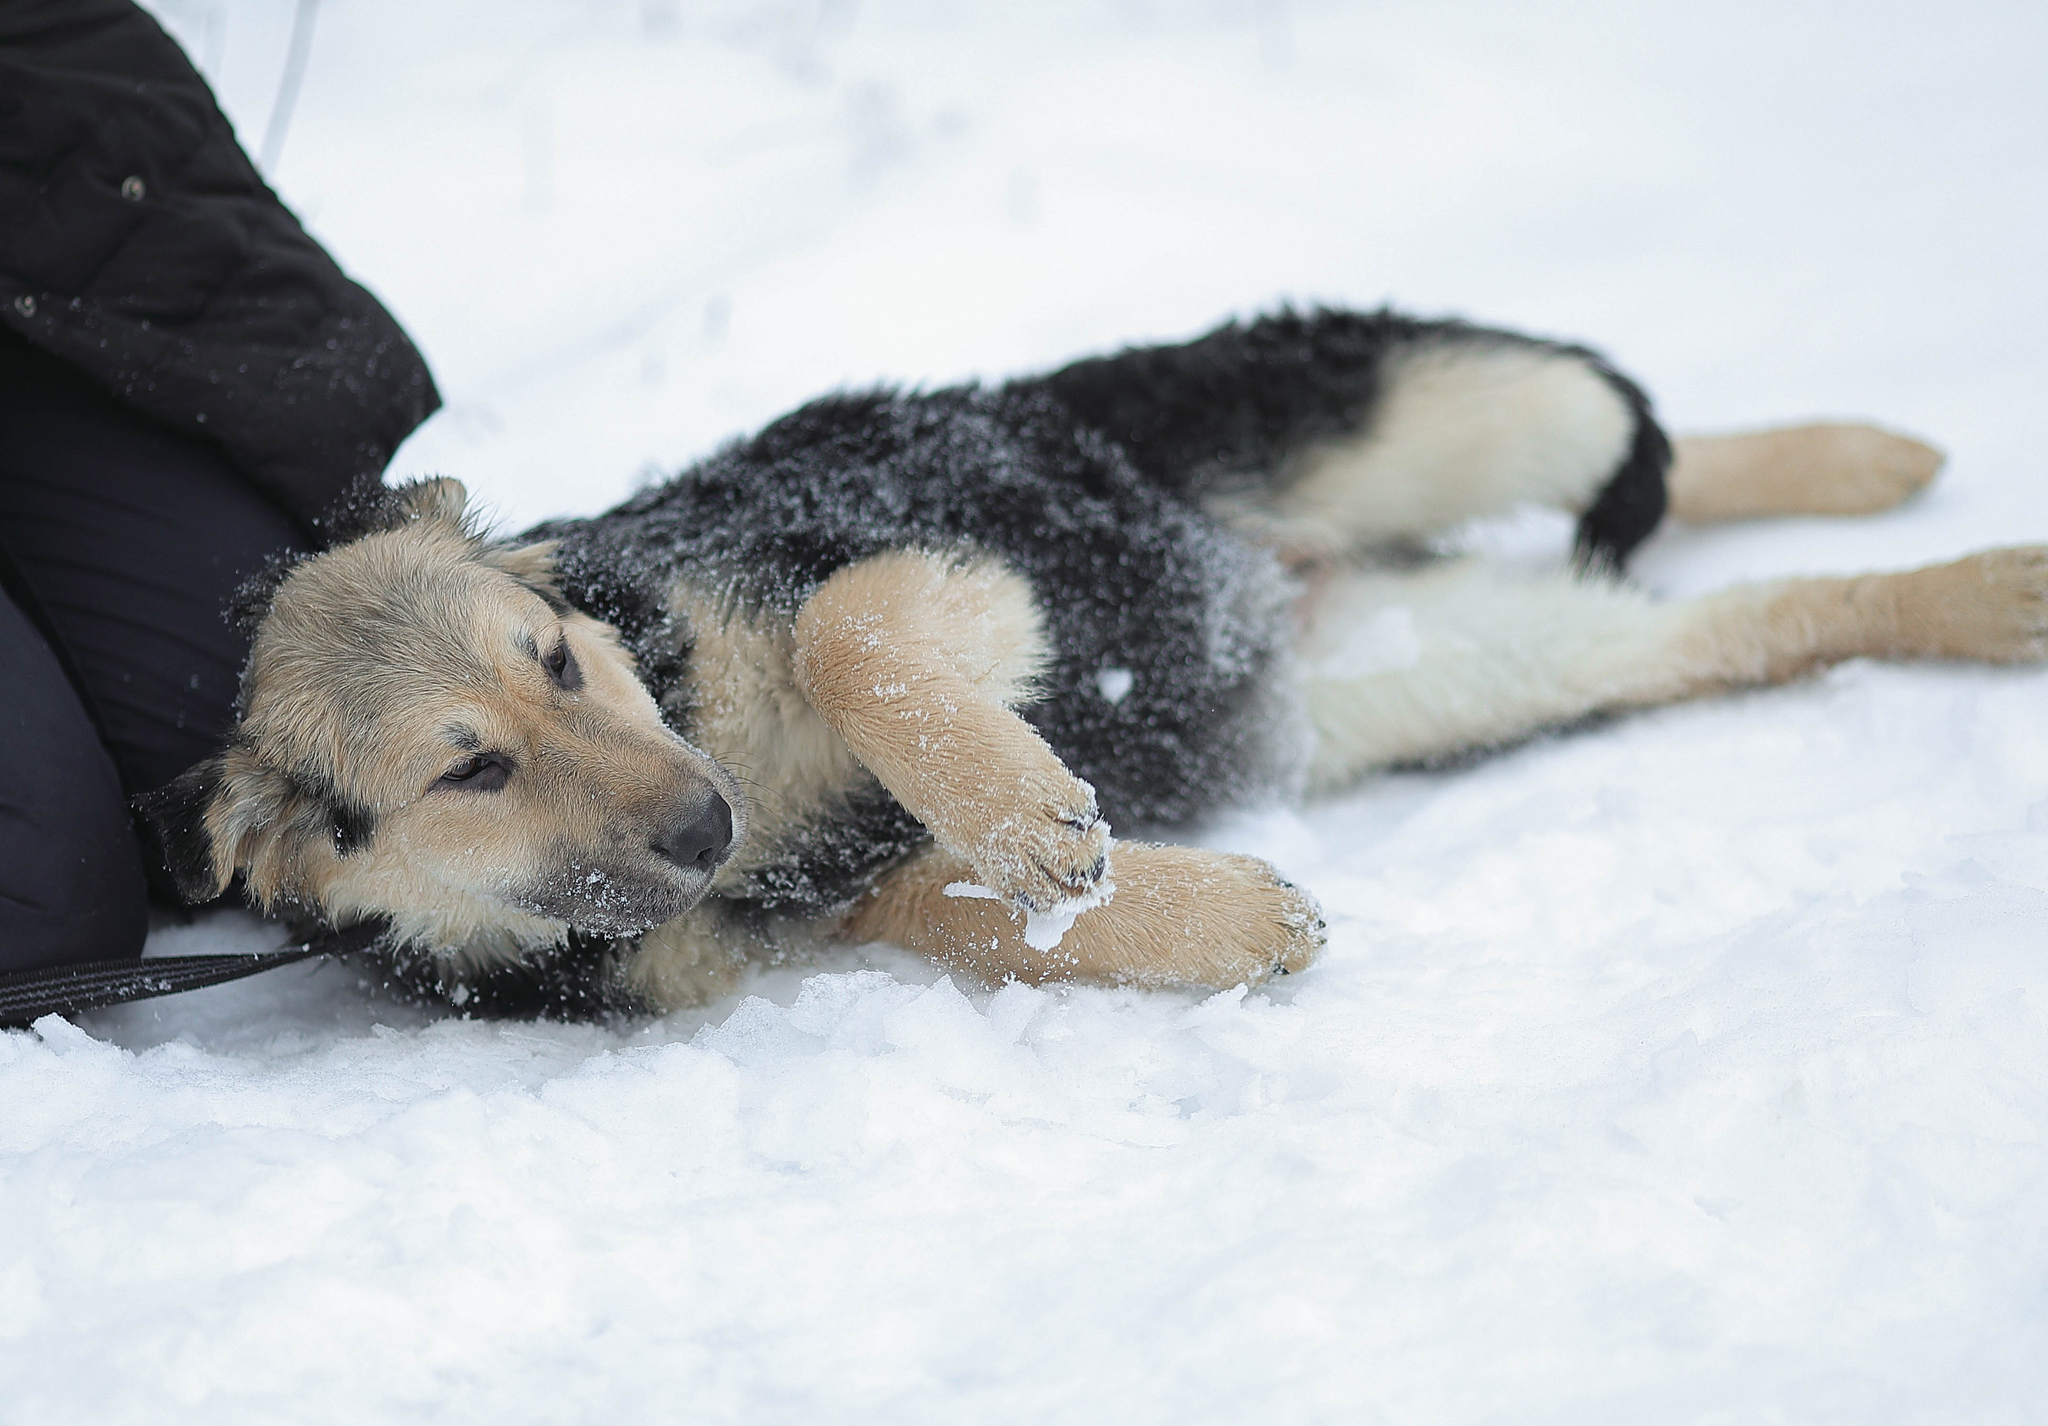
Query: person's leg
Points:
[130, 540]
[123, 543]
[71, 885]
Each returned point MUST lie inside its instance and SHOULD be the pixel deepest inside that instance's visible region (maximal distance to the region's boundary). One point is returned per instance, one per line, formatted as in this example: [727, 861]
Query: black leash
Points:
[28, 995]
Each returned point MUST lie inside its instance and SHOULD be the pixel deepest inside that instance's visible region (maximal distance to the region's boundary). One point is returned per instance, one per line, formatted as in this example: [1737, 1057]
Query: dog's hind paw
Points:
[1859, 469]
[1822, 469]
[1991, 606]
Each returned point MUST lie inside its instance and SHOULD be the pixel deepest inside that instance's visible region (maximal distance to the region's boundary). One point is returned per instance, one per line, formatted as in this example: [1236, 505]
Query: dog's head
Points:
[431, 734]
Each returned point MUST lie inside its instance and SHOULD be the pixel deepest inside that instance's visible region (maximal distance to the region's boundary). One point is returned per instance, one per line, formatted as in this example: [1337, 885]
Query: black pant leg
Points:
[131, 539]
[71, 884]
[124, 542]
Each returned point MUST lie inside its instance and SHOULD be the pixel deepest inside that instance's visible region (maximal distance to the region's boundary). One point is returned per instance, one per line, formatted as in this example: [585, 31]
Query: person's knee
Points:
[71, 883]
[73, 891]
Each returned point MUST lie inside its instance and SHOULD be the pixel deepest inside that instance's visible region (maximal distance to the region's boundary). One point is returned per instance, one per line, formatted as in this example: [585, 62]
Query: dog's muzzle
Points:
[644, 879]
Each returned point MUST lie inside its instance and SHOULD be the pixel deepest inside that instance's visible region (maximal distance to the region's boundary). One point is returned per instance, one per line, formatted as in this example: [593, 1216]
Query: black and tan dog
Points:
[892, 668]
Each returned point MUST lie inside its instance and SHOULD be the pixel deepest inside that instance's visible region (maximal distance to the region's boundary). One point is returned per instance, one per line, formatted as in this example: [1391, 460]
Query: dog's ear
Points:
[371, 507]
[533, 566]
[264, 823]
[234, 814]
[176, 813]
[434, 499]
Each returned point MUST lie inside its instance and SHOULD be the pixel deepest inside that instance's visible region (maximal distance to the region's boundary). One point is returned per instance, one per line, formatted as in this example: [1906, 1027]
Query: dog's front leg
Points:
[911, 657]
[1181, 916]
[693, 959]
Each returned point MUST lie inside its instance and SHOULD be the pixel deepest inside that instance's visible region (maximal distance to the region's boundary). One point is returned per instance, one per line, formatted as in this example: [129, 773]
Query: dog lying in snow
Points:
[891, 669]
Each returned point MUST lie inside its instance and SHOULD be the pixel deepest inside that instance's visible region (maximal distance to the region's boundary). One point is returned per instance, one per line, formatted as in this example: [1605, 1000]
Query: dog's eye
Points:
[561, 667]
[479, 772]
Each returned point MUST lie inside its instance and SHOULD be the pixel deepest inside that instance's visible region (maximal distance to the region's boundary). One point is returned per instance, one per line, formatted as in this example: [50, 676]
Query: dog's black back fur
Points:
[1229, 408]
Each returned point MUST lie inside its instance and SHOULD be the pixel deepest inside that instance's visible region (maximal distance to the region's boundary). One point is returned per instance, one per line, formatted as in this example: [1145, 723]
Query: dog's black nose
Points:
[700, 840]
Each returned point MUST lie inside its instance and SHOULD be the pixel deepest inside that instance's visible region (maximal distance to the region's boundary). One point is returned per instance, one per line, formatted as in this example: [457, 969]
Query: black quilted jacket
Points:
[138, 244]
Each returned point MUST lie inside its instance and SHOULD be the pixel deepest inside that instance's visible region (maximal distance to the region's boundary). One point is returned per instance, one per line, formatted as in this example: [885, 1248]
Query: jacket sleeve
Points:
[139, 244]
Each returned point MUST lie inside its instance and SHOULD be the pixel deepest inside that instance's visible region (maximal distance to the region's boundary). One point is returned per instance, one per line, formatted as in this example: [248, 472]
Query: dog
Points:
[891, 669]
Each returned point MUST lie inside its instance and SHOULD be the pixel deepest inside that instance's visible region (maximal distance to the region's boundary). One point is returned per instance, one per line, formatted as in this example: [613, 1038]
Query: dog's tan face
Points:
[431, 735]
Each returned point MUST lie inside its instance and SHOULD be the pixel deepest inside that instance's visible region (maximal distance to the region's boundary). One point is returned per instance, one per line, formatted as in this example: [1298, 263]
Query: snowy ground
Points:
[1689, 1069]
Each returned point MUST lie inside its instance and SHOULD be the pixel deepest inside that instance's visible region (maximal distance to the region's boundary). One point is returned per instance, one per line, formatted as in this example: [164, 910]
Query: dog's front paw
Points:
[1191, 916]
[1991, 606]
[1039, 845]
[1268, 926]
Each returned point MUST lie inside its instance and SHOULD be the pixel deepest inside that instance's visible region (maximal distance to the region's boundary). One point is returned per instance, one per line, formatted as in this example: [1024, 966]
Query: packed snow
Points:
[1686, 1068]
[1043, 930]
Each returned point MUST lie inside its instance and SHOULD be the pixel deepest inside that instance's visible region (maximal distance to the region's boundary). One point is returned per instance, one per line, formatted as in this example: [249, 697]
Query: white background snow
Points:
[1692, 1068]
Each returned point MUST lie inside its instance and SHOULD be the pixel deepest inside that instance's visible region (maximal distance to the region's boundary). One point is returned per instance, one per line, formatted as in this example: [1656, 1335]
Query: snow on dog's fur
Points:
[892, 668]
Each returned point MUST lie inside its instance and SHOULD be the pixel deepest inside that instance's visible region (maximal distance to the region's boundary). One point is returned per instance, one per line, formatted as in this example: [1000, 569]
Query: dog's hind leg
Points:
[1470, 424]
[1179, 916]
[916, 659]
[1423, 666]
[1325, 432]
[1825, 469]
